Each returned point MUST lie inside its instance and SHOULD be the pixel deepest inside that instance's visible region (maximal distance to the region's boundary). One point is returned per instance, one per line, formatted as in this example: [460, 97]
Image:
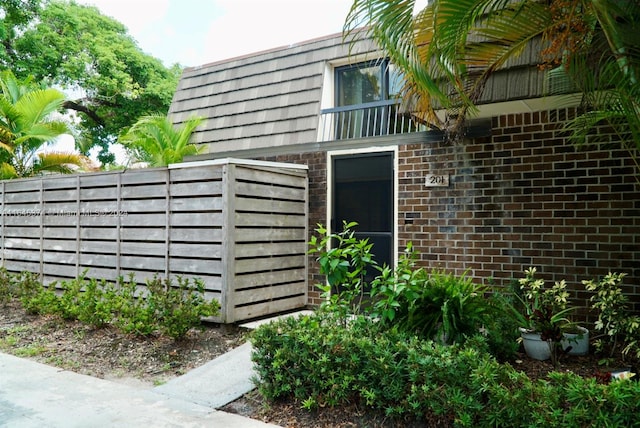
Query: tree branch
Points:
[72, 105]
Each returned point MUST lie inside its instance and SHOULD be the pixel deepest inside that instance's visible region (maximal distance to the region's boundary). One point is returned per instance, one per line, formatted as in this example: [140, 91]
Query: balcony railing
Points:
[366, 120]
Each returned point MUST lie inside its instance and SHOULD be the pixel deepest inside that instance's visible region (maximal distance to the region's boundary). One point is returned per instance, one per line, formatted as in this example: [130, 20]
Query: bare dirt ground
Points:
[108, 353]
[150, 361]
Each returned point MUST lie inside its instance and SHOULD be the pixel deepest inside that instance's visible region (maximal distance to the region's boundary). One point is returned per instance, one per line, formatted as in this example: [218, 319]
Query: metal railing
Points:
[366, 120]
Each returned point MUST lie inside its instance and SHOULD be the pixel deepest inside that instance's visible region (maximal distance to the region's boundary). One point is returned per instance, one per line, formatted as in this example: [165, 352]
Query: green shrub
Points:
[35, 297]
[436, 305]
[345, 261]
[132, 313]
[160, 307]
[6, 292]
[178, 309]
[320, 362]
[618, 327]
[502, 327]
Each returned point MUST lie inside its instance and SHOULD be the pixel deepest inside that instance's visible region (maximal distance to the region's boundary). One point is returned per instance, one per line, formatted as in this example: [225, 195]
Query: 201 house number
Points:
[437, 180]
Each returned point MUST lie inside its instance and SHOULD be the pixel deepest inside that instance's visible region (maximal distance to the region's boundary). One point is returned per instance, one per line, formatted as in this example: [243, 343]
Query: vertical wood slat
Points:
[78, 229]
[119, 225]
[228, 255]
[167, 224]
[42, 214]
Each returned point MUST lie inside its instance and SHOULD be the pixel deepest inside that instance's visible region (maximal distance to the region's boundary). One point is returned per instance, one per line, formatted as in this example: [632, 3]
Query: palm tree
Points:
[449, 50]
[155, 140]
[26, 126]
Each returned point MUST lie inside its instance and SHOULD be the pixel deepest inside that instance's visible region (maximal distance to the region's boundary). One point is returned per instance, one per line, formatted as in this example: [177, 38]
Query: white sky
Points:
[196, 32]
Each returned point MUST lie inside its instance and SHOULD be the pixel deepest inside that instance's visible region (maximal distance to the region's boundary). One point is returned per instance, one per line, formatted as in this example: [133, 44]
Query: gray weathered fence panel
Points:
[267, 263]
[239, 226]
[196, 234]
[260, 249]
[269, 206]
[252, 234]
[267, 293]
[261, 279]
[268, 307]
[196, 189]
[265, 191]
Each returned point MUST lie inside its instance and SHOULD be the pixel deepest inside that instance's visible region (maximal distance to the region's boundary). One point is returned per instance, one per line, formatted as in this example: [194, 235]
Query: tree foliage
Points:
[450, 49]
[110, 81]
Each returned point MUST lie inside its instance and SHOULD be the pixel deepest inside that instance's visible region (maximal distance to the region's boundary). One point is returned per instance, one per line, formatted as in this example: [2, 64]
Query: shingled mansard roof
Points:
[273, 98]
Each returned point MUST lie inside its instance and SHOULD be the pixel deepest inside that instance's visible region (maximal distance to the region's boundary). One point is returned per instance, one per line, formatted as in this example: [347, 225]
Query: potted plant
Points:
[575, 340]
[546, 310]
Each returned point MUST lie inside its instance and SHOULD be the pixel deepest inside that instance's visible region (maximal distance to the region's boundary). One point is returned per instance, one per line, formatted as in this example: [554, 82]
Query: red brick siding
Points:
[523, 197]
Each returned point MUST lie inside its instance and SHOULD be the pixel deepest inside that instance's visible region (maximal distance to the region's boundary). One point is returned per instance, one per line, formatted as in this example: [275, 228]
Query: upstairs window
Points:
[366, 102]
[366, 83]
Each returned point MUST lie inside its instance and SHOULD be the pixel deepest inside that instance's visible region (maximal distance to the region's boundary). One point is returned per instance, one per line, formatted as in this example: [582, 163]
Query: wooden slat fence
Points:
[240, 226]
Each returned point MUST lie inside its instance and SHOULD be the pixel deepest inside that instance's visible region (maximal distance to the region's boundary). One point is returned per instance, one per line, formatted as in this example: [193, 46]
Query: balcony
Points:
[366, 120]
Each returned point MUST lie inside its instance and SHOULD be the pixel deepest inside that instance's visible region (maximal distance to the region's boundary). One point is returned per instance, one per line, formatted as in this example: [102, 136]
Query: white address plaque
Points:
[437, 180]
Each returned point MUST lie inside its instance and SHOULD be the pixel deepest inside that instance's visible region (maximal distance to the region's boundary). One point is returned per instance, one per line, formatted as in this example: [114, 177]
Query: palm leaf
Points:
[7, 171]
[155, 139]
[36, 106]
[60, 162]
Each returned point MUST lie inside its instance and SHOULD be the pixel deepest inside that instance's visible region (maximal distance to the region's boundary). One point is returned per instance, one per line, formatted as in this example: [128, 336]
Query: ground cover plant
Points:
[107, 351]
[422, 349]
[159, 307]
[321, 363]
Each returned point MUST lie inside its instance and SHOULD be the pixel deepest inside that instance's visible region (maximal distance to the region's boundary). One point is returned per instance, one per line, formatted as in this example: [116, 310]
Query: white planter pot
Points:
[534, 346]
[579, 342]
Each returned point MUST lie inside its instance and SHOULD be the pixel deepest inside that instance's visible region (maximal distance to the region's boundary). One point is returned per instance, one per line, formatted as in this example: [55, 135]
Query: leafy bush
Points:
[131, 312]
[436, 305]
[164, 308]
[35, 297]
[346, 261]
[178, 309]
[320, 362]
[618, 326]
[8, 286]
[502, 327]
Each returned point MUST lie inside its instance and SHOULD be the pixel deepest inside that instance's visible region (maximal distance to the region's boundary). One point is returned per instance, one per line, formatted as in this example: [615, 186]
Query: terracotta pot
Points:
[534, 346]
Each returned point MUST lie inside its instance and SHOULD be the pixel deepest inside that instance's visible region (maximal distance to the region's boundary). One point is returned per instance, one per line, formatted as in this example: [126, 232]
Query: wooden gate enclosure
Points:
[240, 226]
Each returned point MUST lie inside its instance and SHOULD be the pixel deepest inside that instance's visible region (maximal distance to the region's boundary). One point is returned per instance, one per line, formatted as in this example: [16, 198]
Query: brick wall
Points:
[522, 197]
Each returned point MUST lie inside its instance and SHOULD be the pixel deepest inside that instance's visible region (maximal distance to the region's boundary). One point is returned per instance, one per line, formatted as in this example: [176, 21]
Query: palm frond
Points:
[7, 171]
[36, 106]
[156, 140]
[60, 162]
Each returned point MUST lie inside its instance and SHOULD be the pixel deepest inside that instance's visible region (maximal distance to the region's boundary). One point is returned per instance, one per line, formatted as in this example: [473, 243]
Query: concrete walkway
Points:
[215, 383]
[36, 395]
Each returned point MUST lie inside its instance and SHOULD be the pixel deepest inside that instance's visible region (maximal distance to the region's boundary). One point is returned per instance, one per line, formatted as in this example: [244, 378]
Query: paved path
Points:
[34, 395]
[216, 383]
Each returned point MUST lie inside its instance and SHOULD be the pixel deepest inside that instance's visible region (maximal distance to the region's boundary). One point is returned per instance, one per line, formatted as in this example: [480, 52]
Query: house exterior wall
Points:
[268, 99]
[519, 196]
[523, 196]
[272, 100]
